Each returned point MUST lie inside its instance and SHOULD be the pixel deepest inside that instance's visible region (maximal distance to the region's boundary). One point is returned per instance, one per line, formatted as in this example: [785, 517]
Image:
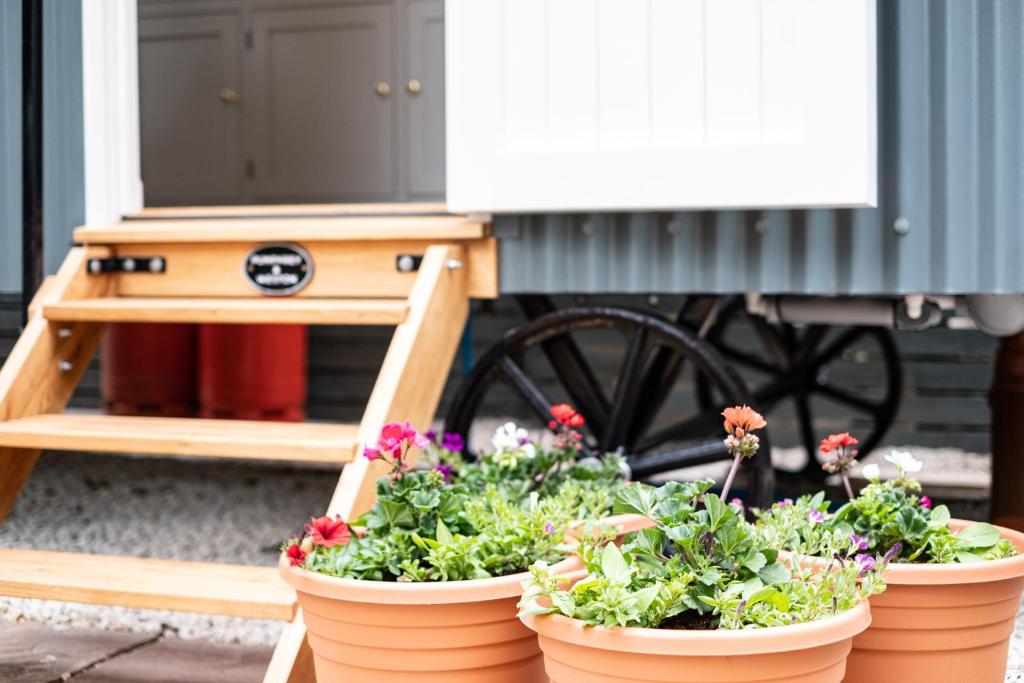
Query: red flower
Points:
[834, 441]
[740, 420]
[295, 554]
[925, 502]
[328, 532]
[567, 415]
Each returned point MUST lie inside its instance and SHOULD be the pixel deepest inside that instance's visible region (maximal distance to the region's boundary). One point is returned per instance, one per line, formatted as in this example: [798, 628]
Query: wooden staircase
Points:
[360, 255]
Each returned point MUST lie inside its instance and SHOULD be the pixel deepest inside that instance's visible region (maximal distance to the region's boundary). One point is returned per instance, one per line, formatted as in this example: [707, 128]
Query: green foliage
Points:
[885, 515]
[702, 566]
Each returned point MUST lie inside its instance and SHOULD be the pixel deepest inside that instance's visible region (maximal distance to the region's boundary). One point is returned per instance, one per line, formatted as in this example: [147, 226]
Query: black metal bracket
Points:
[408, 263]
[127, 264]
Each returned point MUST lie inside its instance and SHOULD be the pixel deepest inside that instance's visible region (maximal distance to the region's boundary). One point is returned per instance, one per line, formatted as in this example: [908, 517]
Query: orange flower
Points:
[328, 532]
[740, 420]
[834, 441]
[566, 415]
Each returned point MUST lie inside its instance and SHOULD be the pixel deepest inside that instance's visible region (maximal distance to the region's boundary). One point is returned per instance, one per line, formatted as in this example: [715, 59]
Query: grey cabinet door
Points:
[190, 135]
[319, 119]
[422, 121]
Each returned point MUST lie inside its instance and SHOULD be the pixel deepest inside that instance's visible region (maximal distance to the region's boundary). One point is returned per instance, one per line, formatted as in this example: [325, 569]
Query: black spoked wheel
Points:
[620, 369]
[818, 379]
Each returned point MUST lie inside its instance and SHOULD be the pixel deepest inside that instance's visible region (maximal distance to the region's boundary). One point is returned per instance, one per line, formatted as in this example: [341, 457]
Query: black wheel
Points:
[821, 378]
[640, 359]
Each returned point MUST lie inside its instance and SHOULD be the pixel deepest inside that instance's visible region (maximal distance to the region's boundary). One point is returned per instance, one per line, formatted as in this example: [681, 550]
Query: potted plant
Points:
[424, 586]
[698, 597]
[954, 586]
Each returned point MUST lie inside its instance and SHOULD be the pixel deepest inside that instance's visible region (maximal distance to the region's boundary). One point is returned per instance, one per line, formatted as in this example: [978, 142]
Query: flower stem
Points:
[732, 475]
[846, 484]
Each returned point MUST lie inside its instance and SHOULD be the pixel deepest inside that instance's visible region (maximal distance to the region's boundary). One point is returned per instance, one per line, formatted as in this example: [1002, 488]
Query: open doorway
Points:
[277, 101]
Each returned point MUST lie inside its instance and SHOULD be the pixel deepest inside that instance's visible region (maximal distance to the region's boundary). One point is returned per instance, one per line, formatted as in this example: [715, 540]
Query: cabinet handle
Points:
[383, 88]
[228, 96]
[415, 87]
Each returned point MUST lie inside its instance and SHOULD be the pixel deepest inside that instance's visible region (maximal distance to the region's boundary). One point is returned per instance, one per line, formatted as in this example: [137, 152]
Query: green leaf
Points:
[964, 557]
[751, 587]
[756, 562]
[388, 513]
[636, 499]
[613, 564]
[710, 577]
[717, 510]
[817, 499]
[774, 573]
[564, 603]
[644, 598]
[979, 535]
[939, 516]
[444, 537]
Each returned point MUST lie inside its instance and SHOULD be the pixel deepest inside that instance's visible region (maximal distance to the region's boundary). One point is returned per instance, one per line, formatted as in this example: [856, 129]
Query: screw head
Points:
[901, 226]
[406, 263]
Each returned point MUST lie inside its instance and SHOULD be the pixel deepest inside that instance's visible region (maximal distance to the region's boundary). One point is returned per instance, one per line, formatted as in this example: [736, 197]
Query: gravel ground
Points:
[219, 511]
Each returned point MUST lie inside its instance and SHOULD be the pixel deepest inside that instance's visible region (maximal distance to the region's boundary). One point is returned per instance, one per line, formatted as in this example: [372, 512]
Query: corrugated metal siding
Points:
[63, 151]
[951, 100]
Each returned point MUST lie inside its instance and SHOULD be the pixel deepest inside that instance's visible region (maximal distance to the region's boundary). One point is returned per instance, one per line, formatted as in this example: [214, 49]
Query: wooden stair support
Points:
[45, 365]
[408, 387]
[251, 440]
[234, 590]
[251, 311]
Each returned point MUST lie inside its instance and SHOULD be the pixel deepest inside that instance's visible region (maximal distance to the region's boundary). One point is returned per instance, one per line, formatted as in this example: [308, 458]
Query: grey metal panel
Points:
[951, 105]
[63, 131]
[10, 146]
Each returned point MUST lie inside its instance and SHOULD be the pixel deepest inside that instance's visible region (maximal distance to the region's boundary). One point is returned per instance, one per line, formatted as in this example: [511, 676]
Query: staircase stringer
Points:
[408, 387]
[47, 363]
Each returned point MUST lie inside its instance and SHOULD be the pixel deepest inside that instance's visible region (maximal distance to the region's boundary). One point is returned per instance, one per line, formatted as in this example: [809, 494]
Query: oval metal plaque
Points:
[278, 269]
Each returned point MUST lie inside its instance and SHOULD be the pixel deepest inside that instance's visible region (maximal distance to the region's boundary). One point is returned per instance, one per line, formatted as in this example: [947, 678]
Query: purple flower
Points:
[446, 470]
[815, 517]
[549, 528]
[784, 502]
[865, 564]
[739, 607]
[858, 543]
[737, 502]
[891, 553]
[431, 435]
[452, 441]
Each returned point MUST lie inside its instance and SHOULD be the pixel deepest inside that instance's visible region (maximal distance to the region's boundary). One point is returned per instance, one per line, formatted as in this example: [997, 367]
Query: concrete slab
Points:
[183, 661]
[33, 653]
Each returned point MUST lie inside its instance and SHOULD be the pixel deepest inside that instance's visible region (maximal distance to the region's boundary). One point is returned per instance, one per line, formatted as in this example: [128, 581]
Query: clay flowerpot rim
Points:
[626, 522]
[672, 642]
[972, 572]
[410, 593]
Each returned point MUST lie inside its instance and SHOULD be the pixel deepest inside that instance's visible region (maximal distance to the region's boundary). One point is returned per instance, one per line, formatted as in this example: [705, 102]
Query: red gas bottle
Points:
[252, 372]
[149, 369]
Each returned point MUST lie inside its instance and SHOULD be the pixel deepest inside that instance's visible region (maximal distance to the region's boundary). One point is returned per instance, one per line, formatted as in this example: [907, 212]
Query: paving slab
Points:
[33, 653]
[183, 661]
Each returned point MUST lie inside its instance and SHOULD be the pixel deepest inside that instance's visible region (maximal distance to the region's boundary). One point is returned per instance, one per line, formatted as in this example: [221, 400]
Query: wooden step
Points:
[246, 439]
[294, 210]
[235, 590]
[253, 310]
[374, 227]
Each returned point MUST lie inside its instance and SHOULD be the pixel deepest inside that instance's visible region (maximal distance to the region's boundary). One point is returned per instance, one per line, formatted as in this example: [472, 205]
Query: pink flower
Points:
[815, 517]
[328, 532]
[371, 452]
[858, 543]
[865, 564]
[295, 554]
[925, 502]
[740, 420]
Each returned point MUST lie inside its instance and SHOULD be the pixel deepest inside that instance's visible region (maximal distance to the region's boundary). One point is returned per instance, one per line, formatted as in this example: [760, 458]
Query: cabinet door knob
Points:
[414, 86]
[383, 88]
[228, 96]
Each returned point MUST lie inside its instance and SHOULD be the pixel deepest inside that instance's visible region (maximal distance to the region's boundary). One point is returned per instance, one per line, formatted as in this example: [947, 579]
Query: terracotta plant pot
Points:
[939, 623]
[450, 632]
[625, 523]
[803, 653]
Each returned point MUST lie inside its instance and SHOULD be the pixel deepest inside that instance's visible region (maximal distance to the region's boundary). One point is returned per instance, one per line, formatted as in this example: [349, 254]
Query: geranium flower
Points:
[328, 532]
[904, 461]
[566, 415]
[740, 420]
[296, 555]
[509, 437]
[858, 543]
[925, 502]
[872, 472]
[834, 441]
[815, 517]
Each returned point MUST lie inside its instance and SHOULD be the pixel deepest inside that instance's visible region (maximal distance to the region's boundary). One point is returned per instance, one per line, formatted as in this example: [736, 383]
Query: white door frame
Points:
[110, 104]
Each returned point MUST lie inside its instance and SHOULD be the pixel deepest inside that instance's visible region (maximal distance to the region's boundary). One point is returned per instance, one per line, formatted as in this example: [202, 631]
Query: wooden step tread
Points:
[245, 439]
[239, 310]
[234, 590]
[286, 228]
[281, 210]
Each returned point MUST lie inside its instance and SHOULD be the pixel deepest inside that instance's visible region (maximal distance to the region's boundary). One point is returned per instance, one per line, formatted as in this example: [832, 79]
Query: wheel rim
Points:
[655, 353]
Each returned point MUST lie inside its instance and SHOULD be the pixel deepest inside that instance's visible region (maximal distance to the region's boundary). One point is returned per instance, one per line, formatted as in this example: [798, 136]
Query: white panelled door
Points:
[560, 105]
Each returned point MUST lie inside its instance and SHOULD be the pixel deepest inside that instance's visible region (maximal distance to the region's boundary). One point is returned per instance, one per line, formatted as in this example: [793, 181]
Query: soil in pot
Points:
[942, 623]
[444, 632]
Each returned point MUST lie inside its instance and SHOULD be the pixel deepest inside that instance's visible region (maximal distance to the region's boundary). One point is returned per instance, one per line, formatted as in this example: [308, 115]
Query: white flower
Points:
[904, 461]
[528, 450]
[871, 472]
[509, 437]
